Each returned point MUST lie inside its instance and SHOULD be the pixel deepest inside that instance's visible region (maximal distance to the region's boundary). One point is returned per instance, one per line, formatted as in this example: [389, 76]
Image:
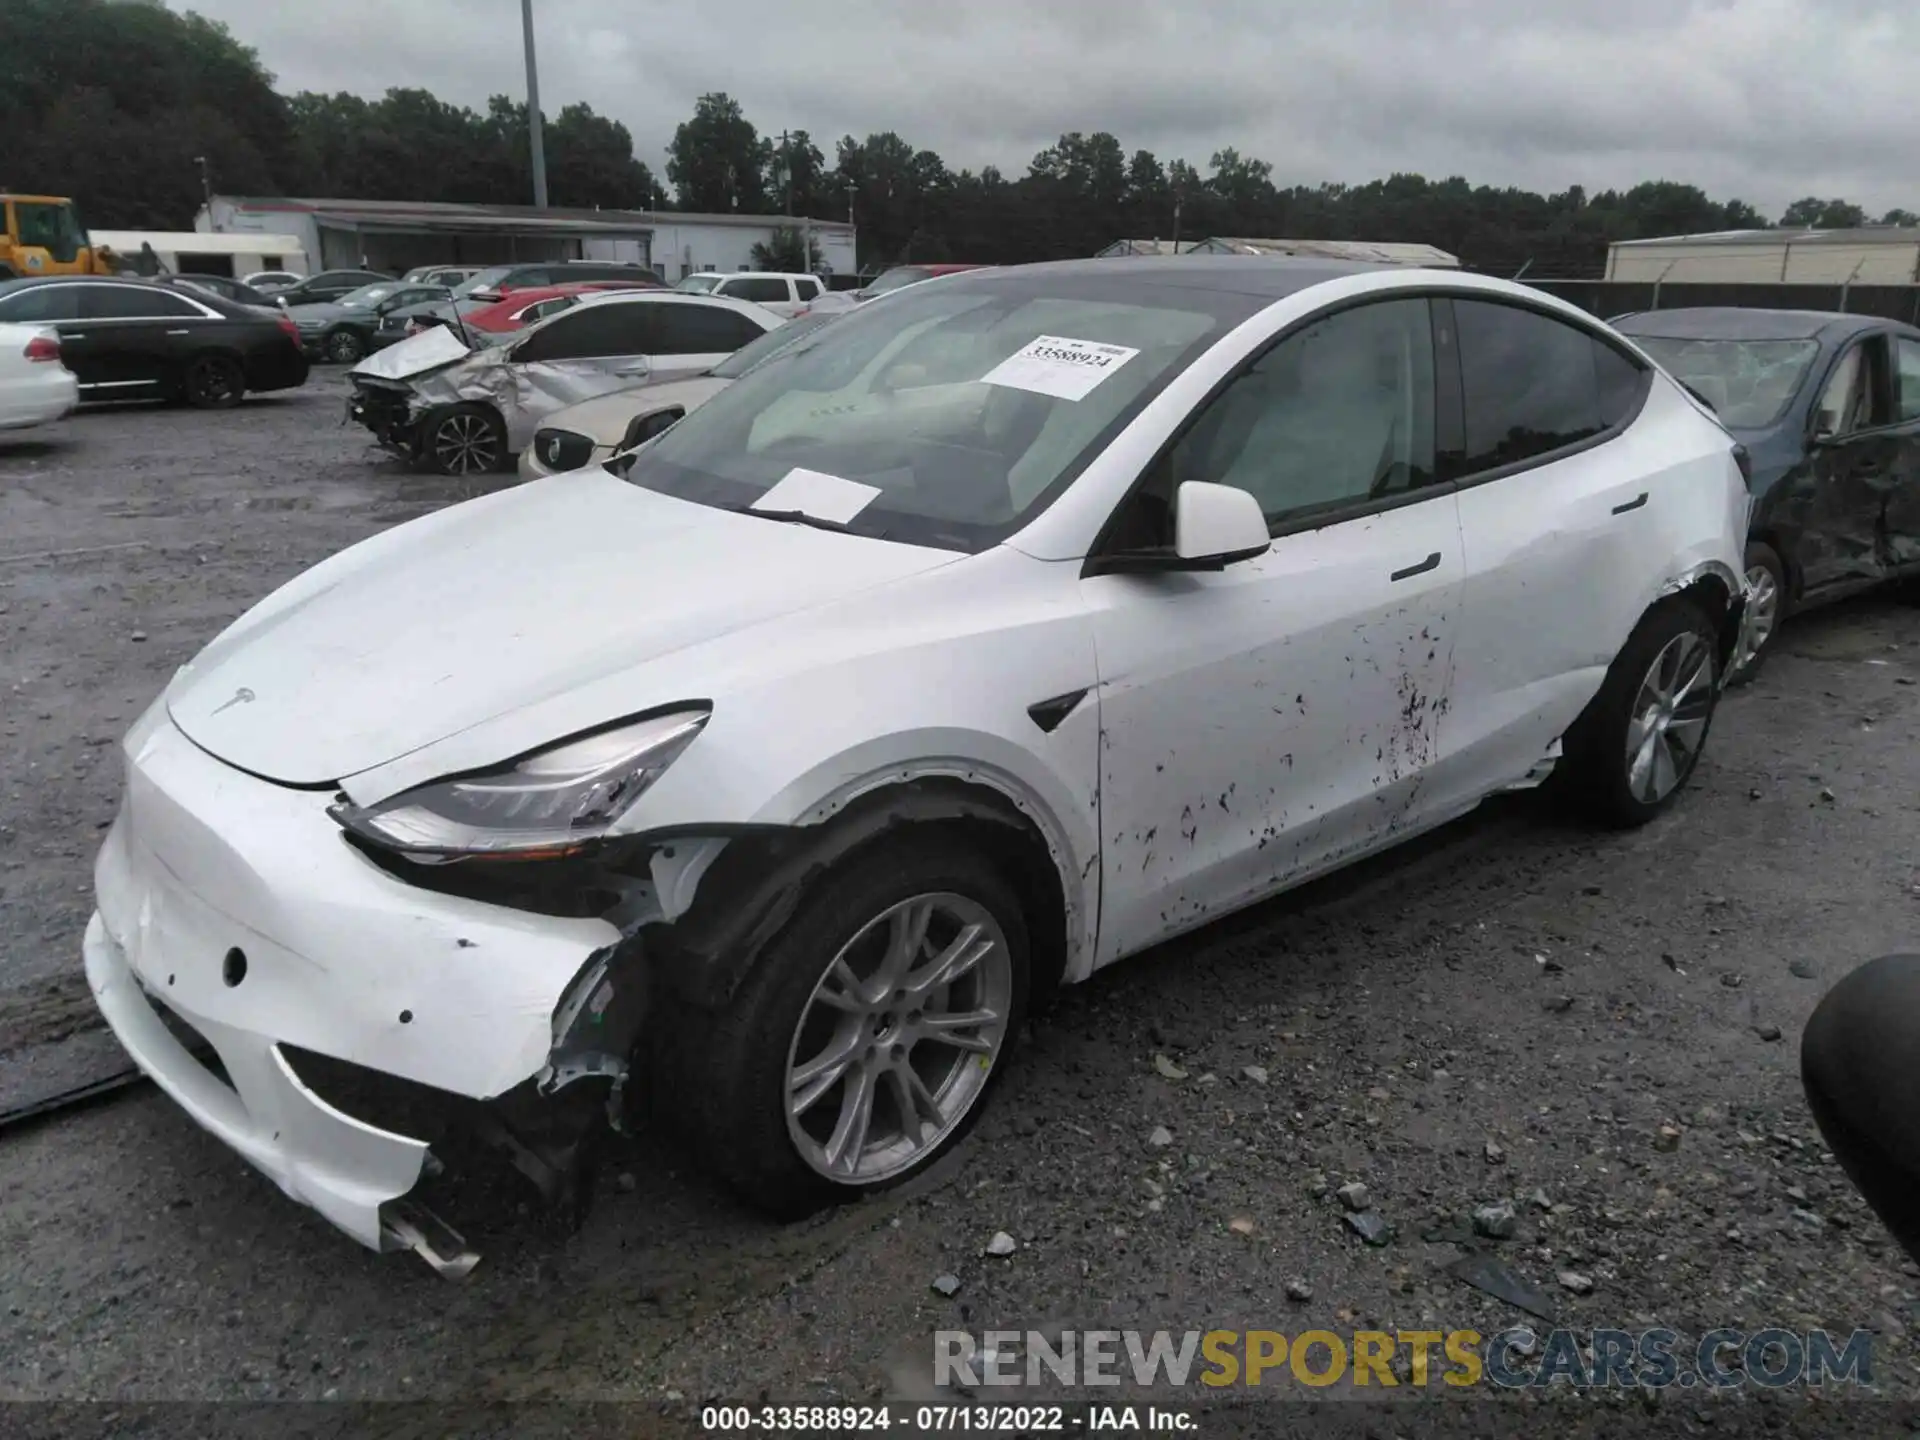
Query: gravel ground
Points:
[1511, 1009]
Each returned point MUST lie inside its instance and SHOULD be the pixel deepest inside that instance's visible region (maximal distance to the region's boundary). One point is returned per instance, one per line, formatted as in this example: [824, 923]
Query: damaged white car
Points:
[985, 638]
[456, 400]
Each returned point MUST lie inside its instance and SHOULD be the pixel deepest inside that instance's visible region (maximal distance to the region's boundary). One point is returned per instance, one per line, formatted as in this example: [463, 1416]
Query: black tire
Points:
[213, 382]
[344, 346]
[1595, 771]
[1762, 561]
[722, 1075]
[462, 440]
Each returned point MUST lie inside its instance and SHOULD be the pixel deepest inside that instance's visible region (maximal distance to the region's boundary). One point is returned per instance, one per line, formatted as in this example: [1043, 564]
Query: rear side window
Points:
[124, 302]
[41, 303]
[1532, 385]
[590, 332]
[1908, 399]
[701, 330]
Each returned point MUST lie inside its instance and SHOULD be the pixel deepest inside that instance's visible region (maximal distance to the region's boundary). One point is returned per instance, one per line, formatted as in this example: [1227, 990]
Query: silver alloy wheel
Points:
[903, 1028]
[1669, 718]
[1762, 614]
[344, 347]
[464, 443]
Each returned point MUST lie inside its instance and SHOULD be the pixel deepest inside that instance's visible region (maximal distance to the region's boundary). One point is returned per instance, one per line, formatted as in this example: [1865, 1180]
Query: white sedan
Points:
[992, 635]
[35, 385]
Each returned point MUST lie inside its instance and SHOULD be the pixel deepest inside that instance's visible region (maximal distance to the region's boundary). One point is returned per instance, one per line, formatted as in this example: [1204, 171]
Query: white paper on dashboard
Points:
[816, 493]
[1054, 365]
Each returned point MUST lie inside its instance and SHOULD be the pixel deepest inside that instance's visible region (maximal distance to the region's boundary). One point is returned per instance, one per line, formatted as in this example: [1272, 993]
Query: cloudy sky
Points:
[1764, 99]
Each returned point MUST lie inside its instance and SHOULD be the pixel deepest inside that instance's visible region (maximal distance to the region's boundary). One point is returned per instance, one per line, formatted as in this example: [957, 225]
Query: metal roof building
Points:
[1876, 255]
[396, 235]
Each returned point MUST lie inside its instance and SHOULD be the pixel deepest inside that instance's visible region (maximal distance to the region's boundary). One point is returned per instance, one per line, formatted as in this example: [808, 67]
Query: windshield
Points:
[700, 284]
[483, 280]
[1749, 383]
[366, 296]
[948, 418]
[772, 343]
[896, 279]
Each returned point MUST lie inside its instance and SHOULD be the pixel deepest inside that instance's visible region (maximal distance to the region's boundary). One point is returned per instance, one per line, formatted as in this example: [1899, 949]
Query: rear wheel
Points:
[1636, 744]
[344, 347]
[864, 1045]
[465, 440]
[214, 382]
[1766, 606]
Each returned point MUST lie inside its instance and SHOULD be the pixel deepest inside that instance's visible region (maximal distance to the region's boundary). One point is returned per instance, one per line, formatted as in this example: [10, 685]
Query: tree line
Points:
[134, 110]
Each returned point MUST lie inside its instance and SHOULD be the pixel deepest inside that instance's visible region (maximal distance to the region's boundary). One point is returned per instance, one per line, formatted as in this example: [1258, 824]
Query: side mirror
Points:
[1215, 525]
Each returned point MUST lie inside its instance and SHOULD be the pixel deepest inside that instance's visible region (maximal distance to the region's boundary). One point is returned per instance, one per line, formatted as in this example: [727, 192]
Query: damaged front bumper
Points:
[236, 905]
[390, 409]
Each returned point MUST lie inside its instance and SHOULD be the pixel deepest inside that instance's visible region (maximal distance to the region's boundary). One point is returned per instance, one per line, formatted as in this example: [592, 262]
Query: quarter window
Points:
[1532, 384]
[1334, 415]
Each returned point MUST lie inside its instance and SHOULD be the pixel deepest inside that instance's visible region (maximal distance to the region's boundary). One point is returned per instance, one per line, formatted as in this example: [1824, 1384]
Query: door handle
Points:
[1432, 562]
[179, 332]
[1633, 504]
[73, 334]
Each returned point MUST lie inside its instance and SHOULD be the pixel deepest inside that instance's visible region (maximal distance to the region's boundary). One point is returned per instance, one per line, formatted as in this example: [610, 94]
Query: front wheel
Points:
[1766, 606]
[345, 347]
[1635, 745]
[864, 1045]
[464, 440]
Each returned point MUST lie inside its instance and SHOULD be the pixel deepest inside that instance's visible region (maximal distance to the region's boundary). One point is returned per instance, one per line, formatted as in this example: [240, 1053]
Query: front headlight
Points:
[551, 803]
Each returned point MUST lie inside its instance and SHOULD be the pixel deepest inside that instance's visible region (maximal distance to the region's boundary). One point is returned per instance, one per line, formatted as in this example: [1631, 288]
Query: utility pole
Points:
[533, 109]
[206, 185]
[786, 164]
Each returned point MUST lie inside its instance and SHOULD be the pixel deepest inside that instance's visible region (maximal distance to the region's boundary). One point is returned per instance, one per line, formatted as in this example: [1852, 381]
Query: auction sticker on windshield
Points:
[1054, 365]
[816, 493]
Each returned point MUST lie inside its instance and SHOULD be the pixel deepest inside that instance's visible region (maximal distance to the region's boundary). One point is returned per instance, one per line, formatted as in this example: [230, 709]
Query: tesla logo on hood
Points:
[242, 696]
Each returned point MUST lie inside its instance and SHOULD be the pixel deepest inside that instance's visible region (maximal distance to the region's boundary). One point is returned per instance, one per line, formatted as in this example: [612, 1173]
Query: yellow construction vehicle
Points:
[42, 235]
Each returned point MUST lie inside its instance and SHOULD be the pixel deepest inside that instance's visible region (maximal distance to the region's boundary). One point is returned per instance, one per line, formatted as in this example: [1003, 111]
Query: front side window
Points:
[807, 289]
[1337, 414]
[1532, 384]
[1749, 383]
[40, 303]
[962, 412]
[1852, 398]
[588, 332]
[1909, 367]
[767, 345]
[698, 284]
[125, 302]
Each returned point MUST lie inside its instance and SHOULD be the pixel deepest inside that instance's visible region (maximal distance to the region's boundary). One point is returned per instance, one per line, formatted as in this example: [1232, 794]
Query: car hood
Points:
[605, 417]
[494, 606]
[414, 356]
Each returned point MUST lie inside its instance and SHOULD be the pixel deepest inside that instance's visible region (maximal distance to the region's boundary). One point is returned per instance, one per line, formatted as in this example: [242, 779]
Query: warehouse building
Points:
[1879, 255]
[394, 236]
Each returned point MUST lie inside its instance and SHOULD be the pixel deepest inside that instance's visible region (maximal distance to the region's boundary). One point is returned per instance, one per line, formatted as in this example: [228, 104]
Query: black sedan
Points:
[1828, 406]
[131, 339]
[225, 286]
[328, 286]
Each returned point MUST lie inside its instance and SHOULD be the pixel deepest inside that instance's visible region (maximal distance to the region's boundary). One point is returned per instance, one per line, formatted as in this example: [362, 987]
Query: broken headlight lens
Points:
[541, 806]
